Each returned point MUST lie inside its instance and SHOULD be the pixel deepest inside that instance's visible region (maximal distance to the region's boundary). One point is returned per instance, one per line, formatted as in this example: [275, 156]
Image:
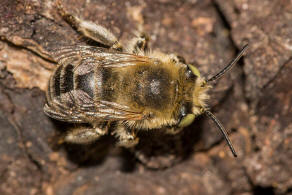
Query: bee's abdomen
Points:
[54, 88]
[67, 79]
[65, 82]
[85, 83]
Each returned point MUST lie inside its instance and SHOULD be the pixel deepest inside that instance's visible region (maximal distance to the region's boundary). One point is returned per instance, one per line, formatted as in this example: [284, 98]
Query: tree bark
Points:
[253, 101]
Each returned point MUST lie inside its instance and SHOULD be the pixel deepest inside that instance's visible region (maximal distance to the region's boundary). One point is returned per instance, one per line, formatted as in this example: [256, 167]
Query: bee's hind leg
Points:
[89, 29]
[84, 135]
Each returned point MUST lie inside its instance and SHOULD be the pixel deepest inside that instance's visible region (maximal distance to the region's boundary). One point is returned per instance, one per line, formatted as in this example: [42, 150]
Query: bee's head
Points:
[199, 97]
[196, 96]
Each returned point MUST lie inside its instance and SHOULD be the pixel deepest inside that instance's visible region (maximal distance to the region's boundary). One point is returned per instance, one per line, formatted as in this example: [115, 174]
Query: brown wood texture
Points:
[253, 101]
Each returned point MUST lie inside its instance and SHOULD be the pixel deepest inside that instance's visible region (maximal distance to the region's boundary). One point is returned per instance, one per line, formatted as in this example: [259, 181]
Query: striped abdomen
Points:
[68, 86]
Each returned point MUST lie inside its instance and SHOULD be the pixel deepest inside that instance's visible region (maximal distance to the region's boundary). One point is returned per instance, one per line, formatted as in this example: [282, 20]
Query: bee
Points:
[122, 90]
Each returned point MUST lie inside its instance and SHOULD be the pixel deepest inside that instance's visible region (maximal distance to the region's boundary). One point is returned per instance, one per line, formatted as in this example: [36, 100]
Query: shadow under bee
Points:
[81, 154]
[93, 154]
[156, 150]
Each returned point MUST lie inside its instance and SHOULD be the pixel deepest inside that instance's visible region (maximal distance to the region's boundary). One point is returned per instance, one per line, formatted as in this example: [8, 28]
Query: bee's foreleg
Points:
[84, 135]
[139, 43]
[126, 137]
[89, 29]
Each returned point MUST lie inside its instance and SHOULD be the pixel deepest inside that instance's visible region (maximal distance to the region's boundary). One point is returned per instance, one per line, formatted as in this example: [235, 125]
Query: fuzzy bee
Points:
[123, 90]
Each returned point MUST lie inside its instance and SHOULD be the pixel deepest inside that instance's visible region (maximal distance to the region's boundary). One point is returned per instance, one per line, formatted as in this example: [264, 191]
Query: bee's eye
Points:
[189, 73]
[185, 119]
[183, 111]
[192, 71]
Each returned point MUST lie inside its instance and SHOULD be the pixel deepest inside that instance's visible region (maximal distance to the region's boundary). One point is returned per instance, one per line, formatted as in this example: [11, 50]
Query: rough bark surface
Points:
[254, 101]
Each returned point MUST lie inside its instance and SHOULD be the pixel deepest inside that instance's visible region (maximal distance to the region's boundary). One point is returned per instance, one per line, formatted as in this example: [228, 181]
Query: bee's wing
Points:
[84, 108]
[84, 59]
[97, 56]
[110, 111]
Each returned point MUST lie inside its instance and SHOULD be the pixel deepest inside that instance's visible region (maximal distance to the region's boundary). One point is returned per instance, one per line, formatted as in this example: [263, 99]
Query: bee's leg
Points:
[89, 29]
[177, 58]
[138, 44]
[84, 135]
[126, 137]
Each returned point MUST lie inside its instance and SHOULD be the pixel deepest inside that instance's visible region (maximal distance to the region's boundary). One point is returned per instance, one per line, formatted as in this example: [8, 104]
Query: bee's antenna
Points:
[229, 66]
[223, 131]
